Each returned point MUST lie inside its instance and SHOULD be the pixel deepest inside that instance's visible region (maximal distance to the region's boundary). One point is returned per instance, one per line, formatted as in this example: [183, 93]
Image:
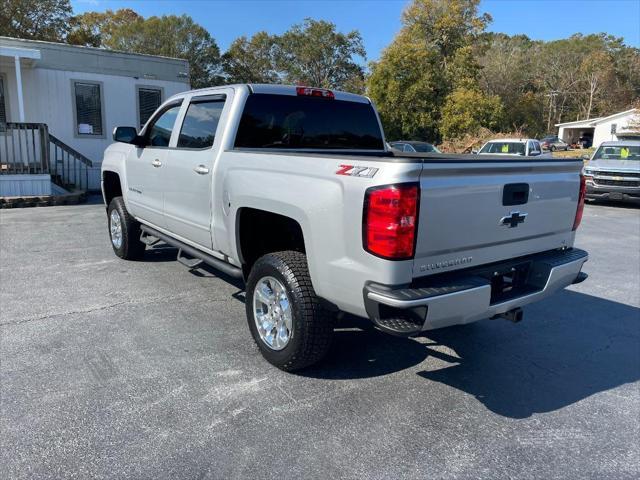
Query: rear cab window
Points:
[272, 121]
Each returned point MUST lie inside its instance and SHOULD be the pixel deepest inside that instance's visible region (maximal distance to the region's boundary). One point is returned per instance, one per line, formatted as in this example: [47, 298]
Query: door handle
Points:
[201, 170]
[156, 163]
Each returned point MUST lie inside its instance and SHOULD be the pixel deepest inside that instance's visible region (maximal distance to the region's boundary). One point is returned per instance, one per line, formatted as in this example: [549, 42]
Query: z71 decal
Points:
[353, 171]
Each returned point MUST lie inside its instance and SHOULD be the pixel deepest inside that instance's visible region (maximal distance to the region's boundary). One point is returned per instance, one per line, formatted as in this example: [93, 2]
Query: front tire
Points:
[286, 319]
[124, 231]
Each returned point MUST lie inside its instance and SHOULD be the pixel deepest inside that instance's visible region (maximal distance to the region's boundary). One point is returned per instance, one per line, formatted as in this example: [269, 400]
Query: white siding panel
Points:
[603, 133]
[48, 99]
[25, 185]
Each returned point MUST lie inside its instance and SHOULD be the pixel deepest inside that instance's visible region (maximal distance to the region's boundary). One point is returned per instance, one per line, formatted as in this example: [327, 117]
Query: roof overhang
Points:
[30, 53]
[580, 123]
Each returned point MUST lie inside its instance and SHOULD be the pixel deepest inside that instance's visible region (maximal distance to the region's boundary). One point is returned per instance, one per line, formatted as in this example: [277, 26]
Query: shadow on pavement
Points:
[575, 346]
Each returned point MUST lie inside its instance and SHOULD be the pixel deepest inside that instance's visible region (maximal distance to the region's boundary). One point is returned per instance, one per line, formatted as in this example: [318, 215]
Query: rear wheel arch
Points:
[259, 232]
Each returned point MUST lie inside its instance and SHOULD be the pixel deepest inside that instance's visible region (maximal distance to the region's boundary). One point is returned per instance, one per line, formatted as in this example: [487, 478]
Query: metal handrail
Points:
[28, 148]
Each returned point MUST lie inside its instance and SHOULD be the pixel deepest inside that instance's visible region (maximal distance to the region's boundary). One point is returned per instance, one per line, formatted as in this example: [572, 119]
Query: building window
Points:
[3, 104]
[88, 108]
[149, 99]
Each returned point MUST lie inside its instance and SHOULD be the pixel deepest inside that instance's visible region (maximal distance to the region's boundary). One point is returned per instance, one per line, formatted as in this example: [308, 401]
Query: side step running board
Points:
[189, 262]
[148, 240]
[196, 254]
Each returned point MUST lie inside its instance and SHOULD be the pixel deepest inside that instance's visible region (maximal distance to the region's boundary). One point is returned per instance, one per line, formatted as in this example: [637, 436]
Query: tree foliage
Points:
[314, 53]
[35, 19]
[467, 110]
[251, 60]
[443, 74]
[168, 35]
[429, 65]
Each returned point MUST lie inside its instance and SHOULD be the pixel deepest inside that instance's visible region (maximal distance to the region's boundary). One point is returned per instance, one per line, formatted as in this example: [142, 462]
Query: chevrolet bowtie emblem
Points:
[513, 219]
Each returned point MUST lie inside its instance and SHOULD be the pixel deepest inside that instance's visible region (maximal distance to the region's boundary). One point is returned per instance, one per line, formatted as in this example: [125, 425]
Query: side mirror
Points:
[586, 156]
[126, 135]
[474, 152]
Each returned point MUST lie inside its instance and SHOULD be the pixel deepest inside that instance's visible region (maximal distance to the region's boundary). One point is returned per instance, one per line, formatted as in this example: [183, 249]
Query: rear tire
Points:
[552, 148]
[124, 231]
[279, 287]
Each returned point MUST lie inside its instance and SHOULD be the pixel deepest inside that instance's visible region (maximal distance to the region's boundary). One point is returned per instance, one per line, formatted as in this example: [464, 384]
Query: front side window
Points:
[304, 122]
[200, 123]
[149, 99]
[159, 131]
[88, 103]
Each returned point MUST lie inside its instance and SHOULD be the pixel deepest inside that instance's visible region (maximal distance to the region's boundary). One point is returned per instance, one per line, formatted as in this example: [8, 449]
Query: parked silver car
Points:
[554, 143]
[613, 172]
[413, 146]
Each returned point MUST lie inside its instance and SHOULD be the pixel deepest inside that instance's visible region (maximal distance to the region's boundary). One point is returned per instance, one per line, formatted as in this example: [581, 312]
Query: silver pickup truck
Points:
[292, 190]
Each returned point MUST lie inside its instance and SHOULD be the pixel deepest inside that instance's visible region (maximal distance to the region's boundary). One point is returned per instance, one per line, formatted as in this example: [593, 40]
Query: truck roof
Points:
[512, 140]
[621, 143]
[279, 90]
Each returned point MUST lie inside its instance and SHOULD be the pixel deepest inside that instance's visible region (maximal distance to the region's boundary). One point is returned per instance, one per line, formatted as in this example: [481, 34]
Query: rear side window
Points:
[285, 121]
[200, 123]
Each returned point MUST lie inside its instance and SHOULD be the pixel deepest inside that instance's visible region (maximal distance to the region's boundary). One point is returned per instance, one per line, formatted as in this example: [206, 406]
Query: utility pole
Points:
[552, 106]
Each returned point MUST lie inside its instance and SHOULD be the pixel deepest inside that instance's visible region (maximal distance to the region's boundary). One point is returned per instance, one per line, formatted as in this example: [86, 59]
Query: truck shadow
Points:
[570, 347]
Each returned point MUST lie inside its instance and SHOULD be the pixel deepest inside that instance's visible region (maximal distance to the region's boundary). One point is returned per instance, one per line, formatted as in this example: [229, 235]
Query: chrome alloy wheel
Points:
[115, 227]
[272, 313]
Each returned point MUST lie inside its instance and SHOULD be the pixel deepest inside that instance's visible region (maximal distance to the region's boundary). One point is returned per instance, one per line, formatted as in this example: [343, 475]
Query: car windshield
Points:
[425, 147]
[618, 152]
[513, 148]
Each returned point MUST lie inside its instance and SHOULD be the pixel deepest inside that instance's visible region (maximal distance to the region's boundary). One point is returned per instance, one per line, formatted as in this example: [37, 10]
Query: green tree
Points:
[251, 60]
[466, 110]
[315, 54]
[168, 35]
[35, 19]
[97, 29]
[433, 55]
[407, 90]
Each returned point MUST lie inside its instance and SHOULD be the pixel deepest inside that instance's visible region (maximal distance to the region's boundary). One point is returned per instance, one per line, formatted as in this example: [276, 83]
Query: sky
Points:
[379, 20]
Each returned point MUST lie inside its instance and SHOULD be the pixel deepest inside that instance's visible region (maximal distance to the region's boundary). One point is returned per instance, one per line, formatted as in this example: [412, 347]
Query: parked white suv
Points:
[527, 147]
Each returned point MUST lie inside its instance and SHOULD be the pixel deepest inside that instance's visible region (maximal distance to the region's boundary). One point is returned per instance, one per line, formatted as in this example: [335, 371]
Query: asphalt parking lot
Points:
[113, 369]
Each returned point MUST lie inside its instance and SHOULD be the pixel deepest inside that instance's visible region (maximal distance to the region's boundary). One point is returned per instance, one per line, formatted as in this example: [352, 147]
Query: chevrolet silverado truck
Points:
[292, 191]
[613, 172]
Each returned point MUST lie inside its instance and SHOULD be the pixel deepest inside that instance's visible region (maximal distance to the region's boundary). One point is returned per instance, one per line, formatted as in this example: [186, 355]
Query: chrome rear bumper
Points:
[473, 294]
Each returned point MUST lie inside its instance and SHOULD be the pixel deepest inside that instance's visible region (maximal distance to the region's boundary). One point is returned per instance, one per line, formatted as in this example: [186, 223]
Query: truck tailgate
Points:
[478, 212]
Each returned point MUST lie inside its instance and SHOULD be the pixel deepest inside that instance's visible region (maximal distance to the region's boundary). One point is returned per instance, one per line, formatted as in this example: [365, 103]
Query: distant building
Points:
[80, 94]
[602, 129]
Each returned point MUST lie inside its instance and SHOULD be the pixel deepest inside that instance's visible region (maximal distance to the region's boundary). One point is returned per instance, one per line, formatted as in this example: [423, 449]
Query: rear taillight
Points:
[390, 220]
[581, 196]
[315, 92]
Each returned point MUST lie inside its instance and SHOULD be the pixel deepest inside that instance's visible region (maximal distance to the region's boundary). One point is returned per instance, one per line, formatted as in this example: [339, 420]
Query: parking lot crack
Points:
[91, 310]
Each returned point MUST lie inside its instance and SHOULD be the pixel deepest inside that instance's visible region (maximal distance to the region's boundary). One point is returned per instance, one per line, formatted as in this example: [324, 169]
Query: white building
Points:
[601, 129]
[80, 94]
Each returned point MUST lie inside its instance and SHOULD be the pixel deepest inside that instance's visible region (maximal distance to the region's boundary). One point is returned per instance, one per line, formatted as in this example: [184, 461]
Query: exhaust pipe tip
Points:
[516, 315]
